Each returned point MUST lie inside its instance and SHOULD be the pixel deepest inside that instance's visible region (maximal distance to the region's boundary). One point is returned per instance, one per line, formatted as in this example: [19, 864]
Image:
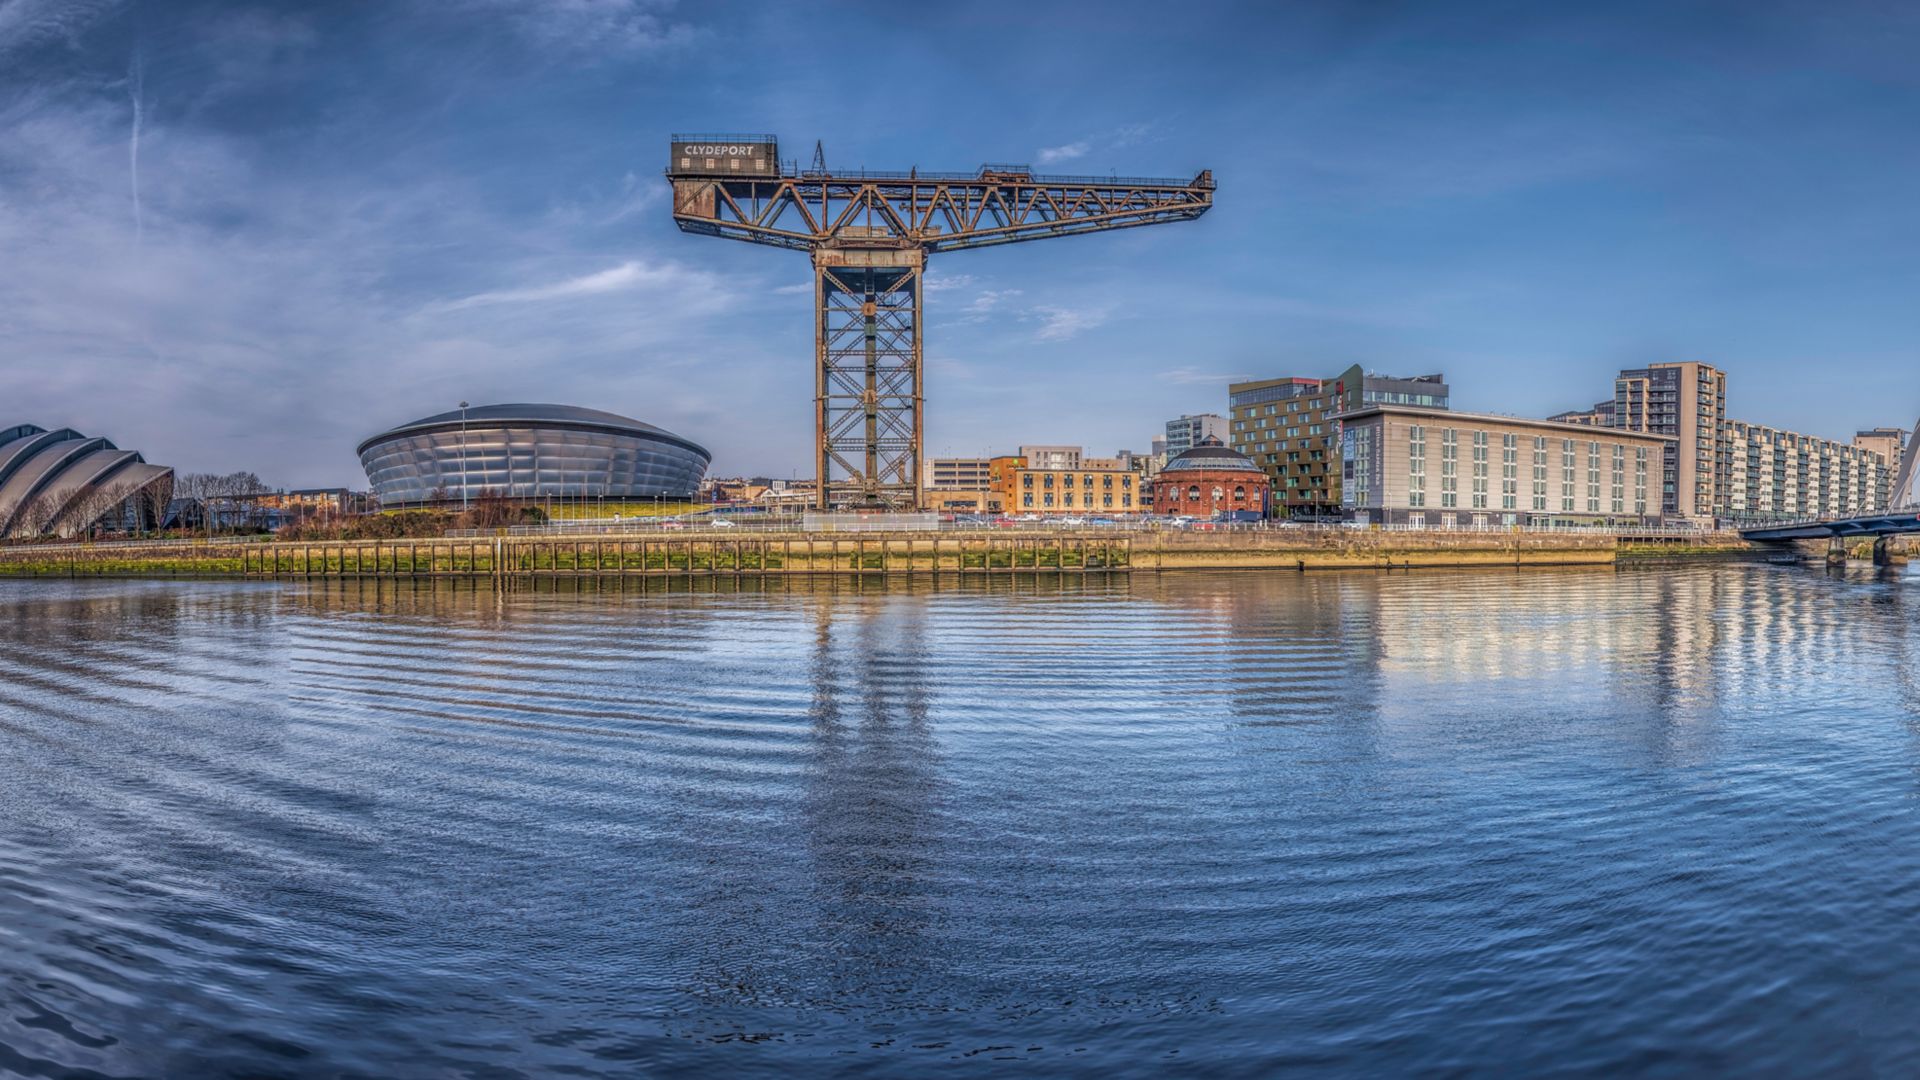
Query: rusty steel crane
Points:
[870, 234]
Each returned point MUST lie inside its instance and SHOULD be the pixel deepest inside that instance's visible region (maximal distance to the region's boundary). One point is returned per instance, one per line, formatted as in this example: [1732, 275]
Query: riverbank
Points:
[720, 553]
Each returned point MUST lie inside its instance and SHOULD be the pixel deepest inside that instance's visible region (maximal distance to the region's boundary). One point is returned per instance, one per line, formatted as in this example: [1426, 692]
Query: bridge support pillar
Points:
[1837, 552]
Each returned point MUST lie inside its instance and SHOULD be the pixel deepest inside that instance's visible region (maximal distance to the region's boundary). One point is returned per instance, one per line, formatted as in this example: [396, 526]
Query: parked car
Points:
[720, 523]
[673, 523]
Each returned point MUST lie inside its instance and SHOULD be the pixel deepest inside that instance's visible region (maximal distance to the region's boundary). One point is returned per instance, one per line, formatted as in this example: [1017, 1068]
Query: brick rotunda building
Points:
[1211, 480]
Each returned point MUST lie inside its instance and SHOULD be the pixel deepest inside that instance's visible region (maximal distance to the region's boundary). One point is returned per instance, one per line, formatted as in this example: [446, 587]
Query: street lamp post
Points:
[463, 456]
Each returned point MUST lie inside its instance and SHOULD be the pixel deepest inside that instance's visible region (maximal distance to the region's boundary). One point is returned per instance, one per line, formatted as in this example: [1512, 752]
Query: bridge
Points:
[1902, 516]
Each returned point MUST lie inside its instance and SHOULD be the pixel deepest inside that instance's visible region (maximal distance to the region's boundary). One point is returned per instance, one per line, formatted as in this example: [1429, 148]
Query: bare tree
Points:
[34, 517]
[91, 506]
[156, 498]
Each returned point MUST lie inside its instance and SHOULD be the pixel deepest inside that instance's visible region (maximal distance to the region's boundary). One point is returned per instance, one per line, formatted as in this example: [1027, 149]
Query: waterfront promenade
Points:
[727, 553]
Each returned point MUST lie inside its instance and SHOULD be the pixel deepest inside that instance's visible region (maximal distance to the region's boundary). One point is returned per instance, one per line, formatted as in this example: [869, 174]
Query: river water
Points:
[1658, 821]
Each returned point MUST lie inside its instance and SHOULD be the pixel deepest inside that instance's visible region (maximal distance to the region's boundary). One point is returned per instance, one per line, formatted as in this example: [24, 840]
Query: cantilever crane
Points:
[870, 234]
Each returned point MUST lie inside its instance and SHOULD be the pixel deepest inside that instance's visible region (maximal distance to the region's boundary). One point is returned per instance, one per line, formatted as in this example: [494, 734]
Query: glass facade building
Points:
[527, 452]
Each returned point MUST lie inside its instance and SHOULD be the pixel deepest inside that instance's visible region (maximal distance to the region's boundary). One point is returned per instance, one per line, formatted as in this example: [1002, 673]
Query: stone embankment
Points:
[778, 554]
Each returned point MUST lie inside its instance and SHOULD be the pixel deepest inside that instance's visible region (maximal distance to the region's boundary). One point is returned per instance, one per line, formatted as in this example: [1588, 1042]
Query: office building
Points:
[1287, 427]
[1051, 457]
[1688, 402]
[956, 474]
[1024, 489]
[1189, 431]
[1439, 469]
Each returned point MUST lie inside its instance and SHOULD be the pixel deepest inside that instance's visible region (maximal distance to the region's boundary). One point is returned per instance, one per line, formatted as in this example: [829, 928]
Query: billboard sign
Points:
[725, 158]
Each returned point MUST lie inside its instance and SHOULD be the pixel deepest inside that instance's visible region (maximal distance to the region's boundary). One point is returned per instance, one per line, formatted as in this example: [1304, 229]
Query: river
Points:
[1655, 821]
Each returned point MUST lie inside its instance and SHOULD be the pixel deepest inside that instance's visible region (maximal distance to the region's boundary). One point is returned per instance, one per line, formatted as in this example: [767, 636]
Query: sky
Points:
[247, 235]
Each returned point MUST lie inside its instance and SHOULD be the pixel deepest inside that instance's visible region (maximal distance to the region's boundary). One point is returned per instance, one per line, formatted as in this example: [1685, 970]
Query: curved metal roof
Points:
[537, 414]
[1211, 455]
[56, 472]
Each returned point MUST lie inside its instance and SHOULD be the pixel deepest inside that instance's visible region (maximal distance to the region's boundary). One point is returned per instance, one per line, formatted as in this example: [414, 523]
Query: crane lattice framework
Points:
[870, 234]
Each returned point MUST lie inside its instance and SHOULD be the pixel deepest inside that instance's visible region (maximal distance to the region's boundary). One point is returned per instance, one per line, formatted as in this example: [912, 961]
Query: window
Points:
[1240, 492]
[1416, 466]
[1193, 492]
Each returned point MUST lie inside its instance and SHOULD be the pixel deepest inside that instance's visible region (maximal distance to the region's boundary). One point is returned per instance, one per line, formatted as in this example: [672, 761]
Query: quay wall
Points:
[719, 553]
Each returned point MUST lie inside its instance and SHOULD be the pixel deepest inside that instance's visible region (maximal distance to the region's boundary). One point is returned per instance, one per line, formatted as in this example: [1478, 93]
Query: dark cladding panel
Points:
[725, 157]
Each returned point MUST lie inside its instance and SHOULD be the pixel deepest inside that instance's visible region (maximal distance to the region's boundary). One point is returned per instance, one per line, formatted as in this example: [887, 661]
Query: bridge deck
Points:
[1905, 521]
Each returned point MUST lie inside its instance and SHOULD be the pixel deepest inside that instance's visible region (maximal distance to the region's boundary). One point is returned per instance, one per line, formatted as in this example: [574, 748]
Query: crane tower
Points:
[869, 234]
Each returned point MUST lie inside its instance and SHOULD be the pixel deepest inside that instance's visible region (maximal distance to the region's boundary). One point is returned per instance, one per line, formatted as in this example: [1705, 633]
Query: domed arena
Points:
[63, 483]
[529, 452]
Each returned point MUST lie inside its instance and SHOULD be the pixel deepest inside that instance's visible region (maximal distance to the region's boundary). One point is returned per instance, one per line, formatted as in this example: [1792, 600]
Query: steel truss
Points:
[870, 234]
[806, 212]
[867, 379]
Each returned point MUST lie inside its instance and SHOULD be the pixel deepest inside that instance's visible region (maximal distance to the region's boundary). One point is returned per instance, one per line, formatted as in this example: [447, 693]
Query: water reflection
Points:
[1361, 822]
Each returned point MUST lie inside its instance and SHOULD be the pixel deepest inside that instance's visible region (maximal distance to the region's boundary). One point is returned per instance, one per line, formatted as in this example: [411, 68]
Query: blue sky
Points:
[246, 235]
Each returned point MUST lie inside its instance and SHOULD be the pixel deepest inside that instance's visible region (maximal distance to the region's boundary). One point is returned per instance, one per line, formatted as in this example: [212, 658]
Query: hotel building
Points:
[1439, 469]
[1287, 427]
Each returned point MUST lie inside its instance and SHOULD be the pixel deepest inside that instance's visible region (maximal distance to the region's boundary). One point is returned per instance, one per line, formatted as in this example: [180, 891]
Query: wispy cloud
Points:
[798, 288]
[591, 25]
[628, 275]
[1063, 323]
[1053, 155]
[25, 23]
[136, 87]
[1118, 139]
[948, 282]
[1187, 376]
[985, 303]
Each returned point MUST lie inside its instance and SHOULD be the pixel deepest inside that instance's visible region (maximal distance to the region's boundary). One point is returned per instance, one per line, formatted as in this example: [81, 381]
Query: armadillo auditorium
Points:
[530, 452]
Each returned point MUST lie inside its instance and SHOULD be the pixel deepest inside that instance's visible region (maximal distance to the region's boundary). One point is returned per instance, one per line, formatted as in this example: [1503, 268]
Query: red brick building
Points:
[1211, 480]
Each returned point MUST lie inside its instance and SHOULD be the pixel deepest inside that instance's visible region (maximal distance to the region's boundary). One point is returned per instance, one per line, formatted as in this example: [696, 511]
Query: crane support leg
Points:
[868, 404]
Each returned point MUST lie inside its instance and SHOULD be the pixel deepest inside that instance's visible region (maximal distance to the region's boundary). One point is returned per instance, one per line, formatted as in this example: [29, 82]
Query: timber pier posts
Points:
[505, 560]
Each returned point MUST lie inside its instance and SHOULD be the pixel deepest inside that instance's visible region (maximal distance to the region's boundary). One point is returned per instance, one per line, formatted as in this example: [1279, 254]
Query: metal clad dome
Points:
[1213, 456]
[64, 482]
[530, 451]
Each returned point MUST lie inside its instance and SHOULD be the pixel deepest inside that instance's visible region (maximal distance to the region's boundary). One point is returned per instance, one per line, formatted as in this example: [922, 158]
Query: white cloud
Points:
[798, 288]
[272, 317]
[984, 304]
[25, 23]
[628, 275]
[590, 25]
[1062, 324]
[947, 282]
[1053, 155]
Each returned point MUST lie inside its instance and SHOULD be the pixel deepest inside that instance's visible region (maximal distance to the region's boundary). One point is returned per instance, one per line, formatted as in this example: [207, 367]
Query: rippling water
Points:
[1658, 821]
